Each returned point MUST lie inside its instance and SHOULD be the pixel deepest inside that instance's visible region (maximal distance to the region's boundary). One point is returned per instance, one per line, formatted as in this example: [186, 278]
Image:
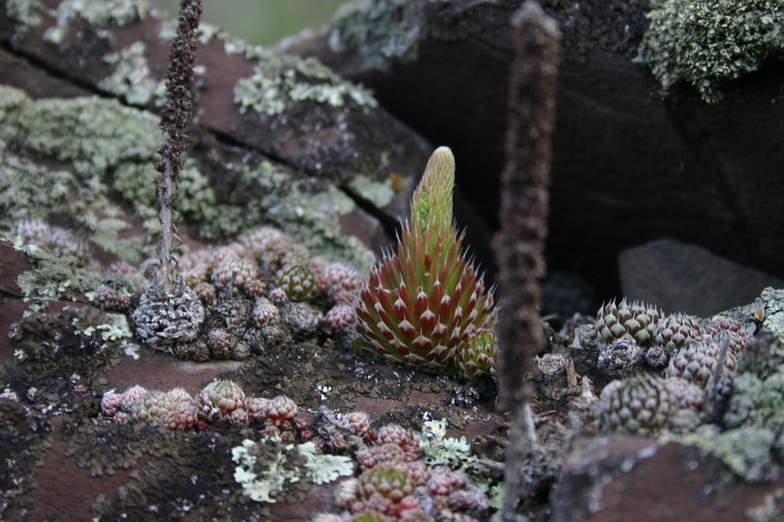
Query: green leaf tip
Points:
[431, 204]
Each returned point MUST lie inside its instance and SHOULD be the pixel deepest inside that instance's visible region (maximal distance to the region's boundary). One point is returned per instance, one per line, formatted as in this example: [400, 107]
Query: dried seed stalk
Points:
[519, 245]
[176, 116]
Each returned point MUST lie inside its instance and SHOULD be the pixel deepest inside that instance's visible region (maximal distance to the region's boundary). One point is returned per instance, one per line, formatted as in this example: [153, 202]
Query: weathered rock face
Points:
[624, 158]
[687, 278]
[630, 165]
[292, 125]
[725, 471]
[620, 478]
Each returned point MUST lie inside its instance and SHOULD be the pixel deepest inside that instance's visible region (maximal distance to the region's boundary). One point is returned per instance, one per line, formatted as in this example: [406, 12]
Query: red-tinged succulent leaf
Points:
[476, 357]
[428, 297]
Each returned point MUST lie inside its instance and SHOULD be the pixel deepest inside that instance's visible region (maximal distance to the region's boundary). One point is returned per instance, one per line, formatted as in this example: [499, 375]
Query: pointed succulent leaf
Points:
[432, 201]
[420, 305]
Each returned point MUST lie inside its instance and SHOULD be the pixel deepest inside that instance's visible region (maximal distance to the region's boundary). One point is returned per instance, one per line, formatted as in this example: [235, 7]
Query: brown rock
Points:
[634, 478]
[323, 140]
[12, 264]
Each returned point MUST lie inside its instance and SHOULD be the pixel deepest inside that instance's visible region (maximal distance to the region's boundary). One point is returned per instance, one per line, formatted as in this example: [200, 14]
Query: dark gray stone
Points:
[688, 278]
[629, 164]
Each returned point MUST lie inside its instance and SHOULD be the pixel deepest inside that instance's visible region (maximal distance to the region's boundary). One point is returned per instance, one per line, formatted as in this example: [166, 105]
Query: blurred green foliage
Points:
[262, 22]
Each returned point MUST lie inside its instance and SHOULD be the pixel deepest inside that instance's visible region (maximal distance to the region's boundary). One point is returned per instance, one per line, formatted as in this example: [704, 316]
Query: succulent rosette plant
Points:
[425, 303]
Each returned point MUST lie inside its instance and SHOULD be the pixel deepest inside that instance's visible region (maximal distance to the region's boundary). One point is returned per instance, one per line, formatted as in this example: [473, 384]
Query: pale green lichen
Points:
[758, 392]
[706, 42]
[277, 475]
[93, 138]
[130, 349]
[97, 12]
[754, 416]
[746, 451]
[772, 303]
[167, 29]
[206, 32]
[309, 217]
[28, 191]
[53, 277]
[92, 134]
[438, 449]
[771, 509]
[305, 213]
[130, 77]
[26, 13]
[279, 80]
[114, 329]
[105, 231]
[378, 193]
[107, 149]
[382, 31]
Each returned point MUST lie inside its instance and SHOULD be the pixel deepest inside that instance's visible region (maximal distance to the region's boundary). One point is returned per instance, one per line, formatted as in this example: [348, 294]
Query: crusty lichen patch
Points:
[26, 13]
[68, 149]
[130, 77]
[103, 149]
[97, 12]
[706, 42]
[24, 440]
[175, 473]
[381, 31]
[280, 80]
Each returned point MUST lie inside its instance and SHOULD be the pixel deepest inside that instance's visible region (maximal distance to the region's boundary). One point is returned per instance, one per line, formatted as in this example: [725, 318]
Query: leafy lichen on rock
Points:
[280, 80]
[55, 277]
[100, 141]
[746, 451]
[267, 479]
[92, 133]
[709, 41]
[377, 192]
[130, 77]
[26, 13]
[267, 193]
[380, 30]
[93, 139]
[30, 191]
[97, 12]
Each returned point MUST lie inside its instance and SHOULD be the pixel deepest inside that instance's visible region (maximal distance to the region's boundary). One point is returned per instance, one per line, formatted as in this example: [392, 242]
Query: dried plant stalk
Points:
[519, 245]
[176, 116]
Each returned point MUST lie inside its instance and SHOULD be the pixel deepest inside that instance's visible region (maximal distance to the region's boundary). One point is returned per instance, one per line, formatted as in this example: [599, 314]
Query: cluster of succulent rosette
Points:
[392, 478]
[676, 366]
[395, 482]
[221, 399]
[266, 280]
[426, 305]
